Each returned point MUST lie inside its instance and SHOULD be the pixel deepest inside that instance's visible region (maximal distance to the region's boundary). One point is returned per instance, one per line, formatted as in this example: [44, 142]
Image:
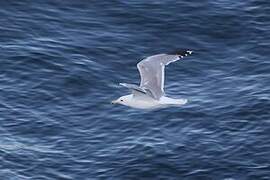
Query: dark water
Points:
[60, 65]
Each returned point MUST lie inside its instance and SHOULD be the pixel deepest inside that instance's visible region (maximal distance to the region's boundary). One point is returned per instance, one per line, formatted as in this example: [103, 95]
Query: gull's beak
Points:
[114, 102]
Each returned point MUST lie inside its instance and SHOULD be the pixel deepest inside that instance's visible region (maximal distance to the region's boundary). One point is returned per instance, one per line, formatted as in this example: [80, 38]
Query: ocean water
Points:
[60, 65]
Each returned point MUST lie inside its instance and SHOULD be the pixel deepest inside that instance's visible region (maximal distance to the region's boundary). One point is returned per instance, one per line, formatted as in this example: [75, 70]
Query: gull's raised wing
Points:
[152, 71]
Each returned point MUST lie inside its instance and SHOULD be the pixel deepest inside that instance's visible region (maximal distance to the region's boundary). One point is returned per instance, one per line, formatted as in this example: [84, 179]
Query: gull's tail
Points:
[173, 102]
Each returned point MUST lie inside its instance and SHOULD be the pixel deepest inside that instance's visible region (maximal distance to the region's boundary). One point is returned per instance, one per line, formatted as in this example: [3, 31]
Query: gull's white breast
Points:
[152, 103]
[143, 104]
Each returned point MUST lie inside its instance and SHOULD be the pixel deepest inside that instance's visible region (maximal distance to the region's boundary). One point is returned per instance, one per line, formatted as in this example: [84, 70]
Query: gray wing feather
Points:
[152, 72]
[133, 87]
[136, 90]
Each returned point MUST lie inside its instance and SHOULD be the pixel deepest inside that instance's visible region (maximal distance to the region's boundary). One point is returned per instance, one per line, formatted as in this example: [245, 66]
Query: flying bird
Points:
[150, 94]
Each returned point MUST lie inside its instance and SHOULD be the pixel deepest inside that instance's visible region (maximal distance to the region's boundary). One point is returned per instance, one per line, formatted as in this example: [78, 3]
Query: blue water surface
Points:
[60, 65]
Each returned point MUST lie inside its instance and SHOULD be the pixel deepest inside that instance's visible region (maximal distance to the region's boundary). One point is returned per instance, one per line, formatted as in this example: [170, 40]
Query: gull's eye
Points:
[121, 100]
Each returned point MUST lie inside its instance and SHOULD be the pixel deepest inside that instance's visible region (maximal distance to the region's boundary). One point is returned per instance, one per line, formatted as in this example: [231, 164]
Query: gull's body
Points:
[151, 103]
[150, 94]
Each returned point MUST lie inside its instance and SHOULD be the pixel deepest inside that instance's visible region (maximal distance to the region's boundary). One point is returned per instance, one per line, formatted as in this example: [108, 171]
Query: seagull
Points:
[150, 94]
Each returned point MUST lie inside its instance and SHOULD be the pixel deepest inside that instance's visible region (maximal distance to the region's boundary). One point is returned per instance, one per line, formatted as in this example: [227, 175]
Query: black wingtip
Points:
[182, 53]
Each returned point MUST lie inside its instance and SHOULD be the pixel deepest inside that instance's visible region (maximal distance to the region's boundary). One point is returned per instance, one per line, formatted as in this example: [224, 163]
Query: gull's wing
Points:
[152, 71]
[133, 87]
[137, 91]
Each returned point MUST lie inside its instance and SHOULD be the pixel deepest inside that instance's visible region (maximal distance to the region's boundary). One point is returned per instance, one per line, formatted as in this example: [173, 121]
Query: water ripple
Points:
[60, 65]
